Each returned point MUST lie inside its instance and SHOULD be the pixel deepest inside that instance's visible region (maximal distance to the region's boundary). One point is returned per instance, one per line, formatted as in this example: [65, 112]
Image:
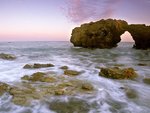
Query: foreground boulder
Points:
[117, 73]
[106, 34]
[37, 65]
[7, 56]
[100, 34]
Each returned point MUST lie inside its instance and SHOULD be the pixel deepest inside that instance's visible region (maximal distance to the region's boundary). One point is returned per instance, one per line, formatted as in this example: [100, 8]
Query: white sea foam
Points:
[110, 98]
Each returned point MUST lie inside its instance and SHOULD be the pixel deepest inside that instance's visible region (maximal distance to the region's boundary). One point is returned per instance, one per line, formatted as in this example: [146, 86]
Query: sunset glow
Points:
[37, 20]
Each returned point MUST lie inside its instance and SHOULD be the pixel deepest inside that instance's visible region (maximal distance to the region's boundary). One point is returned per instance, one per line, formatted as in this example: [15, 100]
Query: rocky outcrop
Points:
[117, 73]
[100, 34]
[7, 56]
[141, 35]
[37, 65]
[40, 85]
[106, 34]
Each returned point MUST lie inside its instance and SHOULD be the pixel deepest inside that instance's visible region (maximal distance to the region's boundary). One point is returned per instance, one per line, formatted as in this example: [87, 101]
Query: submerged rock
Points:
[64, 67]
[7, 56]
[71, 72]
[117, 73]
[131, 94]
[146, 81]
[74, 105]
[37, 65]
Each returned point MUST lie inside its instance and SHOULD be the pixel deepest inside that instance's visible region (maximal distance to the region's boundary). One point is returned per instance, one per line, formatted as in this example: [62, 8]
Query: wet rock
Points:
[141, 64]
[39, 76]
[48, 85]
[100, 34]
[71, 72]
[146, 81]
[20, 100]
[117, 73]
[37, 65]
[60, 92]
[7, 56]
[131, 94]
[64, 67]
[4, 88]
[74, 105]
[87, 86]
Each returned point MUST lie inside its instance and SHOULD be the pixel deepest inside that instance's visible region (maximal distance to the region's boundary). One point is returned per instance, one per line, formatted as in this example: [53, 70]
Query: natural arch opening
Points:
[126, 37]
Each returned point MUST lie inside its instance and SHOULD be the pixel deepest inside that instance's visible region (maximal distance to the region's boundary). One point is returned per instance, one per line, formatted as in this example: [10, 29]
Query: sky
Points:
[53, 20]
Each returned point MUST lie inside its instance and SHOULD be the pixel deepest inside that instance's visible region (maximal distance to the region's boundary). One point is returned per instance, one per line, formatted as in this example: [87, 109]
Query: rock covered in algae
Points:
[146, 81]
[117, 73]
[7, 56]
[107, 33]
[4, 88]
[23, 93]
[39, 76]
[73, 105]
[37, 65]
[99, 34]
[64, 67]
[71, 72]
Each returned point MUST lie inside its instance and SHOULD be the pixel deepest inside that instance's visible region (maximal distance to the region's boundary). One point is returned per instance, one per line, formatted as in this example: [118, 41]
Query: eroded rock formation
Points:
[106, 34]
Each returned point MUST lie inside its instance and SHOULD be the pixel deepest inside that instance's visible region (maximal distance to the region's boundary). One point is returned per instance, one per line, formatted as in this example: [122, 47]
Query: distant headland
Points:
[106, 34]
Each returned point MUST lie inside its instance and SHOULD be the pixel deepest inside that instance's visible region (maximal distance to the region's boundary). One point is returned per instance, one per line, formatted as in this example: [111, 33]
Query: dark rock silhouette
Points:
[106, 34]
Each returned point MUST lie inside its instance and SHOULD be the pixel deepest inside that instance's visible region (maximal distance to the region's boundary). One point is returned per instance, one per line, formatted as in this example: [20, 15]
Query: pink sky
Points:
[53, 20]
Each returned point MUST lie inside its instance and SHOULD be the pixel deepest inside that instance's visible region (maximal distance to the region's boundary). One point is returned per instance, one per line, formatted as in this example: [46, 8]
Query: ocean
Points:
[109, 97]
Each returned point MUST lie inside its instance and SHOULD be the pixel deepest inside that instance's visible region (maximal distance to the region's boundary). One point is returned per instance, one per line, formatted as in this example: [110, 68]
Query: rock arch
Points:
[106, 34]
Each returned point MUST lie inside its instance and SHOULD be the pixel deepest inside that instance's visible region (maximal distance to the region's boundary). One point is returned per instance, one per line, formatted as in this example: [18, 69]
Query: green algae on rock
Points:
[146, 81]
[40, 85]
[39, 76]
[37, 65]
[64, 67]
[71, 72]
[7, 56]
[117, 73]
[4, 88]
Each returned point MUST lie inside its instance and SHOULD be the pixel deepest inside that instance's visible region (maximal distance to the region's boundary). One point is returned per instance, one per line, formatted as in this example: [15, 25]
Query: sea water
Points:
[110, 96]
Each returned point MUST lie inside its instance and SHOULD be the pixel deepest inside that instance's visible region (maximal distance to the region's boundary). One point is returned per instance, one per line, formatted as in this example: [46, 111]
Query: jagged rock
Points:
[106, 34]
[4, 88]
[100, 34]
[37, 65]
[7, 56]
[64, 67]
[117, 73]
[71, 72]
[141, 35]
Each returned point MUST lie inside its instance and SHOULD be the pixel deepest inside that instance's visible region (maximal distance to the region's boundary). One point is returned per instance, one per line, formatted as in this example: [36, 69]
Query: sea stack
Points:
[106, 34]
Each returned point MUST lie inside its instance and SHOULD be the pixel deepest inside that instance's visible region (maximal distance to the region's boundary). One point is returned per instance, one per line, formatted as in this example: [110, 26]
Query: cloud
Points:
[84, 10]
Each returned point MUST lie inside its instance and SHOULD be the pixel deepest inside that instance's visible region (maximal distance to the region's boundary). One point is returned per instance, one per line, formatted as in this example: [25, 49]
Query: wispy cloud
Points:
[83, 10]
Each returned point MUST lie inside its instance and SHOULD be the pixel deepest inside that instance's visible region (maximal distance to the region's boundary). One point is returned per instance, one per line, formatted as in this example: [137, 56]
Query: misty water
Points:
[110, 96]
